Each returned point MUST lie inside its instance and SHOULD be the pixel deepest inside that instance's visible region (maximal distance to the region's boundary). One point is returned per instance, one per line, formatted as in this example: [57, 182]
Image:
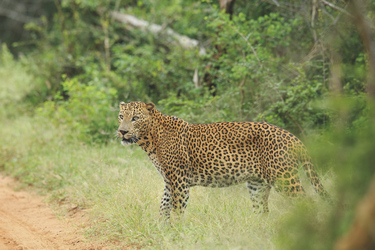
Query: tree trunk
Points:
[208, 79]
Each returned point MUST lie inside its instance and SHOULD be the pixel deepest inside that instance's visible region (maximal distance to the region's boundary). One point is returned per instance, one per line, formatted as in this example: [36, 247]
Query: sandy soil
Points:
[26, 222]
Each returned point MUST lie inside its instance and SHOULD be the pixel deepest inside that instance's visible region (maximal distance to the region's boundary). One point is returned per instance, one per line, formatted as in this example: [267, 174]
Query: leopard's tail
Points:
[309, 169]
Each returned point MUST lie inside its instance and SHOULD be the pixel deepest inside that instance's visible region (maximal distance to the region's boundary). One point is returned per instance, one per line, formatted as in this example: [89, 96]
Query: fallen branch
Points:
[176, 38]
[17, 16]
[336, 7]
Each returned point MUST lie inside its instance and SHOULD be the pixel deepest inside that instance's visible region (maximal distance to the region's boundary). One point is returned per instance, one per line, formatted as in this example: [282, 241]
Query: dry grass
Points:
[122, 191]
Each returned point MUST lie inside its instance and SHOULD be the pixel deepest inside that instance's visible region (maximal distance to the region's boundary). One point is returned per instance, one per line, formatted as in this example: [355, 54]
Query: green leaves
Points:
[261, 63]
[87, 110]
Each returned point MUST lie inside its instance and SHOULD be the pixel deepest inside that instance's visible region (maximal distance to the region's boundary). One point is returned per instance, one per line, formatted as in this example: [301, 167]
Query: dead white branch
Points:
[17, 16]
[176, 38]
[336, 7]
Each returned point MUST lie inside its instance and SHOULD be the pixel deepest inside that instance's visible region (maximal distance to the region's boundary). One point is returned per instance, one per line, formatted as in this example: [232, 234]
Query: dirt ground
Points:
[26, 222]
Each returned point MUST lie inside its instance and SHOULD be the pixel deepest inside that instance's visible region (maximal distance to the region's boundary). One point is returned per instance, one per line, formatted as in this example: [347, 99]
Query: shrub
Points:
[88, 110]
[15, 82]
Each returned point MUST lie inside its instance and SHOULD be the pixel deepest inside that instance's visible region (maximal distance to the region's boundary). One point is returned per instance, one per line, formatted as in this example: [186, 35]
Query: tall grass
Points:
[121, 190]
[15, 83]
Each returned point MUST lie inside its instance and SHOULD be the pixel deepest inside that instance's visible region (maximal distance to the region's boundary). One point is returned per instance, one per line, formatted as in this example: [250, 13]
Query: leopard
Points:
[218, 154]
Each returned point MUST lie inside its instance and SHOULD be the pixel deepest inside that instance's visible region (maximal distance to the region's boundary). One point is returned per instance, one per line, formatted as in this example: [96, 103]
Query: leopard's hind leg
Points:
[289, 183]
[259, 192]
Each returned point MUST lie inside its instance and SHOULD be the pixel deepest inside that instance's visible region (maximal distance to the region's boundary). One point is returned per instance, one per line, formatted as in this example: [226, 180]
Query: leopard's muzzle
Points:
[129, 141]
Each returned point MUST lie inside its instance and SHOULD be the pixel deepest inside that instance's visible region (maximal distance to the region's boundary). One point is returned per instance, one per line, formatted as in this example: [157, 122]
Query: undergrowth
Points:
[121, 191]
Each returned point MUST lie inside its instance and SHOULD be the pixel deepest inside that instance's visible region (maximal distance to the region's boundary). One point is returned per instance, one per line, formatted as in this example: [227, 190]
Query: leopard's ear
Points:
[150, 106]
[121, 104]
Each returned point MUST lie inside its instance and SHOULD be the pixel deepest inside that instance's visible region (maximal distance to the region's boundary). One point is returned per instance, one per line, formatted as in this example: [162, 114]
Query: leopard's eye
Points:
[121, 117]
[135, 118]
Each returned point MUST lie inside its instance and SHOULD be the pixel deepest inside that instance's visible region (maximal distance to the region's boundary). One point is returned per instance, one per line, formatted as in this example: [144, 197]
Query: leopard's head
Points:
[134, 121]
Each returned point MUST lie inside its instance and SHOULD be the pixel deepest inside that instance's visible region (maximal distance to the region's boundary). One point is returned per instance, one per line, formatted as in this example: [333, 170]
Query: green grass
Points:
[122, 190]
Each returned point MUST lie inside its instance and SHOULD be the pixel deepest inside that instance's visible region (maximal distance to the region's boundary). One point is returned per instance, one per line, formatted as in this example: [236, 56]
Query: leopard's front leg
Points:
[180, 194]
[176, 195]
[166, 202]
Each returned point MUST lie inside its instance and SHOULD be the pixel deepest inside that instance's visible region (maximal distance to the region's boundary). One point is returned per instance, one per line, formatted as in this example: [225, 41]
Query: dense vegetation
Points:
[302, 65]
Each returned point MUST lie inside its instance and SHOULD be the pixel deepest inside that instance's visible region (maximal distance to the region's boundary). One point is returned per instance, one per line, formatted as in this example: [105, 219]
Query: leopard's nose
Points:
[123, 132]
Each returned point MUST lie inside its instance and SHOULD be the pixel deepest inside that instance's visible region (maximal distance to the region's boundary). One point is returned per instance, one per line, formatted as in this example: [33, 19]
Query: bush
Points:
[88, 110]
[15, 83]
[348, 151]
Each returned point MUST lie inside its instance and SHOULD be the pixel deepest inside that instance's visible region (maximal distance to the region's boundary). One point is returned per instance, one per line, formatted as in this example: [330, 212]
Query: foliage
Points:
[272, 89]
[252, 56]
[83, 41]
[351, 159]
[203, 109]
[15, 85]
[87, 111]
[295, 109]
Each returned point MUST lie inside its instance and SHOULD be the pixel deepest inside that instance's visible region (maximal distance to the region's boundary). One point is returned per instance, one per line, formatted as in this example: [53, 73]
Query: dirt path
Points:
[26, 222]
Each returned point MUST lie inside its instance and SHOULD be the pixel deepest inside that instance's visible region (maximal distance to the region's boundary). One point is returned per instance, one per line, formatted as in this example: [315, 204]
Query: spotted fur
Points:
[216, 155]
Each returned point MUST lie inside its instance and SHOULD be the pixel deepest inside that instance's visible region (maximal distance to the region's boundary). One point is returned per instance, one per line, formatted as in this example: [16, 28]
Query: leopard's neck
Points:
[159, 126]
